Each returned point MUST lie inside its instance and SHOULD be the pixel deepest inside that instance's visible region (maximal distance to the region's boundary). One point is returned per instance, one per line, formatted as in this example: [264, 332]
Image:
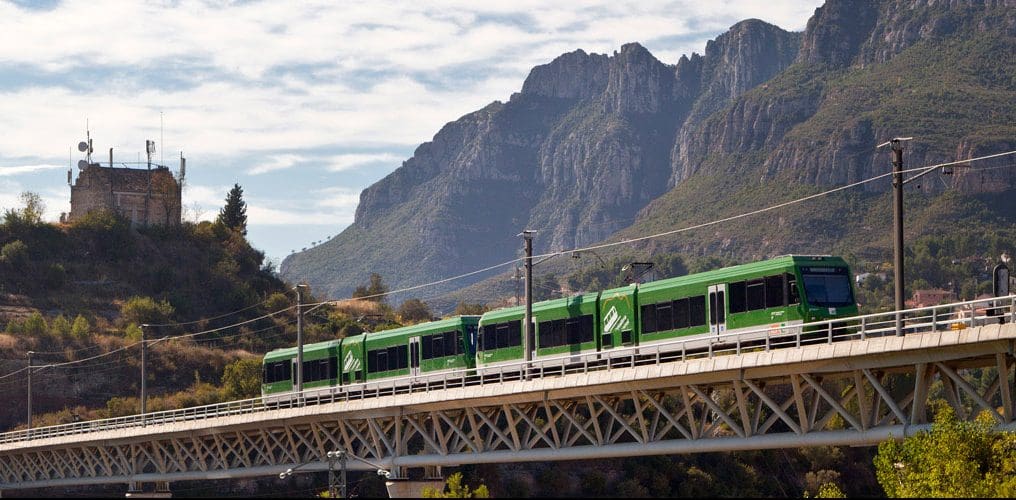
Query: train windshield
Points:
[827, 286]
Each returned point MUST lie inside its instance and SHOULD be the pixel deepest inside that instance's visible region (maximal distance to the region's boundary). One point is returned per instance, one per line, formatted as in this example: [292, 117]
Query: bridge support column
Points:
[136, 489]
[411, 488]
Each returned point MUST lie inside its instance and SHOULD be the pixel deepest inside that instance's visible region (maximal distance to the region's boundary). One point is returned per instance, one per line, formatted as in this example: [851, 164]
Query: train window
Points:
[626, 337]
[451, 346]
[680, 313]
[278, 371]
[514, 333]
[382, 361]
[720, 317]
[333, 368]
[401, 356]
[774, 291]
[425, 348]
[697, 310]
[792, 297]
[471, 336]
[664, 317]
[437, 346]
[737, 297]
[586, 328]
[649, 318]
[502, 336]
[756, 294]
[371, 361]
[827, 287]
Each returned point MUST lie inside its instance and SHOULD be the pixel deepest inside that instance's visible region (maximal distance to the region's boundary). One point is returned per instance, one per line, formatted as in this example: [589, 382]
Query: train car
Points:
[779, 292]
[320, 369]
[566, 327]
[421, 350]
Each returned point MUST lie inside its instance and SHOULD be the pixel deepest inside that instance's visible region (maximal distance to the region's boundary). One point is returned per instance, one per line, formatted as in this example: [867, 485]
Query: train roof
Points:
[427, 327]
[732, 272]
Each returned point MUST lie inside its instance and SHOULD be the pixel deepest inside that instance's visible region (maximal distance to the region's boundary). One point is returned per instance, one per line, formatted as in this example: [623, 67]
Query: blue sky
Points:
[302, 104]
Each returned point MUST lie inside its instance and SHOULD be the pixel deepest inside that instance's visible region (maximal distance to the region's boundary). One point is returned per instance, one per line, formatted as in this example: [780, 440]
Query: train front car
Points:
[828, 292]
[743, 303]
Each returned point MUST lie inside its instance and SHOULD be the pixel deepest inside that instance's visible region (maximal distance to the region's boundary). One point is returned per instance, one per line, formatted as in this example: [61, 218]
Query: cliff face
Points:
[592, 140]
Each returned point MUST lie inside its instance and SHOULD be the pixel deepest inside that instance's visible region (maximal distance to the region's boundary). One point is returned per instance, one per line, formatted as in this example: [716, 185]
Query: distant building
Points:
[932, 297]
[149, 196]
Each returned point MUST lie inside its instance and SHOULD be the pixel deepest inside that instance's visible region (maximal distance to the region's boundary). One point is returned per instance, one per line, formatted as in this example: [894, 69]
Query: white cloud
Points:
[276, 162]
[24, 169]
[346, 162]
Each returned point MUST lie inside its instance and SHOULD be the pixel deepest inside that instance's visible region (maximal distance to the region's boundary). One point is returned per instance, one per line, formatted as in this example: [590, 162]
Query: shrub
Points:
[80, 328]
[141, 310]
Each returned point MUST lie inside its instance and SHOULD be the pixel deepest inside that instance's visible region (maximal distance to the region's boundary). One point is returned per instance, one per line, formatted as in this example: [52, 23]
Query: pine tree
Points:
[234, 214]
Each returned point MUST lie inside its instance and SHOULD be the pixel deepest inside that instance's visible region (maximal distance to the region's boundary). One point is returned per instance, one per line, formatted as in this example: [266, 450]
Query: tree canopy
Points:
[234, 214]
[955, 459]
[376, 291]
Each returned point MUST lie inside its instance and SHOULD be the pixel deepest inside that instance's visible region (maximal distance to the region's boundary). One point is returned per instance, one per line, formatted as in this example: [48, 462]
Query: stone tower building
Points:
[144, 196]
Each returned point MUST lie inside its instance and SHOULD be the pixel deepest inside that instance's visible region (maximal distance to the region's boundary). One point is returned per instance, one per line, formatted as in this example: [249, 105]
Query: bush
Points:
[60, 326]
[14, 253]
[80, 329]
[35, 325]
[242, 379]
[141, 310]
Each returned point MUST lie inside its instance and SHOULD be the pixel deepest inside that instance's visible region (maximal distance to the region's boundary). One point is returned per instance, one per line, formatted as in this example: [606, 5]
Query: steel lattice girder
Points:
[854, 401]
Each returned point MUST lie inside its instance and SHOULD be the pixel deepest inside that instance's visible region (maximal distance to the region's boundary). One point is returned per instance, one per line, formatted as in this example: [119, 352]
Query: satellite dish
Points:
[82, 146]
[82, 164]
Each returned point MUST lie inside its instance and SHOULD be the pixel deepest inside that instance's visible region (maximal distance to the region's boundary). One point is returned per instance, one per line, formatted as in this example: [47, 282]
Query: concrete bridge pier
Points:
[158, 489]
[399, 485]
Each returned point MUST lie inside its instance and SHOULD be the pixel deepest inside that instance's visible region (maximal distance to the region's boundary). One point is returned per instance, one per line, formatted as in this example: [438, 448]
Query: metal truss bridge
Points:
[829, 384]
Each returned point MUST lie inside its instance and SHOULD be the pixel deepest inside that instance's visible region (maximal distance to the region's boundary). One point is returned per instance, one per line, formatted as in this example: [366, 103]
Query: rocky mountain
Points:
[600, 146]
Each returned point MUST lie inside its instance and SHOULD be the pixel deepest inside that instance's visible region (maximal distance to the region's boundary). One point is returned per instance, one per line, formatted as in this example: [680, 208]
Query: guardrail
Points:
[914, 321]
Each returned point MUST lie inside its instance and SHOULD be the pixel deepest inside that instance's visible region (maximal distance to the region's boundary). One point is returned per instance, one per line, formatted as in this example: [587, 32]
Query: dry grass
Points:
[358, 307]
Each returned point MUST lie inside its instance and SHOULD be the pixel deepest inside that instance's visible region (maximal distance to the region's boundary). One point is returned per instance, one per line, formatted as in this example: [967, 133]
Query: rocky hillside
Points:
[599, 146]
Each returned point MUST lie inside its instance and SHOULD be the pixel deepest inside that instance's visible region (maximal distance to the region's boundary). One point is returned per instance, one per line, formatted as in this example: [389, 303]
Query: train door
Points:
[414, 356]
[717, 308]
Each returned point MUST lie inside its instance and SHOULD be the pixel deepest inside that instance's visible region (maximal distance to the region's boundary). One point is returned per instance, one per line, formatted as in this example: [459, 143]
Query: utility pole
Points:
[897, 148]
[528, 329]
[144, 374]
[298, 376]
[30, 353]
[897, 160]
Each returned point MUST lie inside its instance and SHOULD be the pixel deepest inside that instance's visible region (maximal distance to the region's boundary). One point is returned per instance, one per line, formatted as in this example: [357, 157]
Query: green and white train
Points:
[744, 302]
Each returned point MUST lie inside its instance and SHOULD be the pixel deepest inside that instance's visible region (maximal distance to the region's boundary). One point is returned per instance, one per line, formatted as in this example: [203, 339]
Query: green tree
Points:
[241, 379]
[14, 253]
[455, 489]
[60, 326]
[30, 214]
[80, 328]
[376, 291]
[35, 324]
[414, 311]
[140, 310]
[234, 214]
[133, 332]
[955, 458]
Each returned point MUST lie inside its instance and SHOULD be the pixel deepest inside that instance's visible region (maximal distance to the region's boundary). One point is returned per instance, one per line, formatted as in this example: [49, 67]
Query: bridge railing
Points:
[913, 321]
